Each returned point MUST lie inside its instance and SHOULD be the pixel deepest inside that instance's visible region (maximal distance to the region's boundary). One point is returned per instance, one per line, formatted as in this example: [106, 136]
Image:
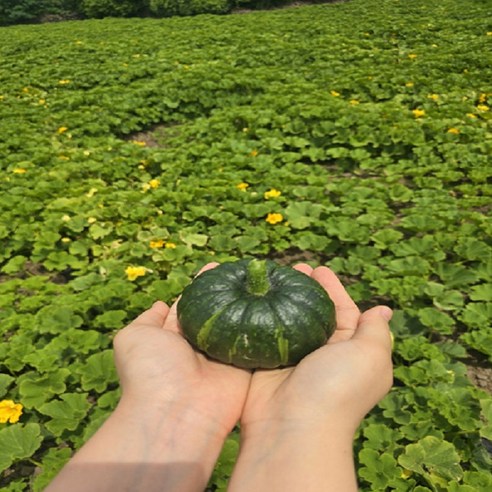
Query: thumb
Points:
[155, 316]
[373, 327]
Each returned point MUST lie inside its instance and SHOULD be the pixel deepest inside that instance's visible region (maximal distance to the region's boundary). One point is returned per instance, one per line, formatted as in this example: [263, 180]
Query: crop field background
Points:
[354, 135]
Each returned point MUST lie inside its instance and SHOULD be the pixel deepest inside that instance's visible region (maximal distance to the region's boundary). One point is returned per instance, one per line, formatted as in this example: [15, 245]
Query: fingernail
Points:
[386, 312]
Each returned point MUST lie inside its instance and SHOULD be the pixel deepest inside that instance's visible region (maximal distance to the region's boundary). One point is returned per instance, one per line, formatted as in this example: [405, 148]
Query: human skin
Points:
[178, 406]
[298, 423]
[176, 410]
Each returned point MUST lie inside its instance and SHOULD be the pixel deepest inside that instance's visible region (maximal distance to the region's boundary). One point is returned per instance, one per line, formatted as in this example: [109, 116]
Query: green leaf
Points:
[98, 372]
[477, 314]
[411, 265]
[57, 319]
[455, 275]
[225, 463]
[246, 244]
[302, 214]
[380, 470]
[436, 320]
[18, 442]
[482, 292]
[478, 479]
[66, 413]
[486, 426]
[53, 461]
[193, 239]
[308, 241]
[418, 347]
[109, 399]
[96, 231]
[380, 436]
[480, 340]
[15, 264]
[111, 319]
[435, 459]
[5, 381]
[383, 238]
[472, 248]
[458, 405]
[35, 389]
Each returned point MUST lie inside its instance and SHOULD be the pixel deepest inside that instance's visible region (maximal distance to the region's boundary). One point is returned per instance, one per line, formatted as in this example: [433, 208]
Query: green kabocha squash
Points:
[256, 314]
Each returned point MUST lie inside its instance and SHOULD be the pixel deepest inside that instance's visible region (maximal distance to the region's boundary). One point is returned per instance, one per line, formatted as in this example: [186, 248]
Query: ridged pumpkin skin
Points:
[256, 314]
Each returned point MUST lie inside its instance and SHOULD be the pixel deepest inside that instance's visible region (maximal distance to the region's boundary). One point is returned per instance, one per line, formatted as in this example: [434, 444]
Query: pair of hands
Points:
[343, 380]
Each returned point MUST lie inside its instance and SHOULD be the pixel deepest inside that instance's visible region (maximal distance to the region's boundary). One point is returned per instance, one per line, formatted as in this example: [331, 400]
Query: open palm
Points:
[345, 373]
[156, 364]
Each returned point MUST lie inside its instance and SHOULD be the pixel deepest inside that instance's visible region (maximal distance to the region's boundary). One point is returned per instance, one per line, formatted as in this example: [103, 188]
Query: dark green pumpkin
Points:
[256, 314]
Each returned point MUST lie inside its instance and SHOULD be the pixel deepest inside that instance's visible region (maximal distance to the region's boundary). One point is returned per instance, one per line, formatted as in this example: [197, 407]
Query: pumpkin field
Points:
[355, 135]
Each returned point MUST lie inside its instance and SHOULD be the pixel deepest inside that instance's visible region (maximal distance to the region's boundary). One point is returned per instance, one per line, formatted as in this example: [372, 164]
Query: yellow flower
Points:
[335, 93]
[409, 84]
[64, 81]
[133, 272]
[471, 115]
[434, 97]
[482, 98]
[159, 243]
[274, 218]
[170, 245]
[66, 218]
[154, 183]
[42, 101]
[242, 186]
[19, 170]
[483, 107]
[418, 113]
[354, 102]
[62, 129]
[253, 153]
[245, 130]
[454, 131]
[91, 220]
[140, 143]
[10, 411]
[65, 239]
[273, 193]
[412, 56]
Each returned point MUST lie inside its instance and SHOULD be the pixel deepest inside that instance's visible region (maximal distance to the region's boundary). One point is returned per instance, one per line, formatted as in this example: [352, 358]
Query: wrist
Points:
[145, 446]
[299, 431]
[293, 455]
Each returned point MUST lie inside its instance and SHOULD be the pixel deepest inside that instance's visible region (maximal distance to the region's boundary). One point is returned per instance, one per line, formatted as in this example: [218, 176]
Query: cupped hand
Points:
[344, 378]
[157, 366]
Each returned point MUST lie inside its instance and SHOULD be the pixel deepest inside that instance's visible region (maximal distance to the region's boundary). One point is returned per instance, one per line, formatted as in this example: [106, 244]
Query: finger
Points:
[304, 268]
[347, 312]
[171, 323]
[374, 327]
[208, 266]
[155, 316]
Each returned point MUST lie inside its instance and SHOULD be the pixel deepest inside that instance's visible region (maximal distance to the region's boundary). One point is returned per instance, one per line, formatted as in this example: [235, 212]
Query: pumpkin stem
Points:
[257, 282]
